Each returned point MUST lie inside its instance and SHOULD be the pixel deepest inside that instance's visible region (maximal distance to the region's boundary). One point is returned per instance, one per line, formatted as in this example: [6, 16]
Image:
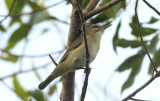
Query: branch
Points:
[67, 92]
[35, 11]
[25, 71]
[140, 33]
[100, 9]
[53, 60]
[142, 87]
[92, 4]
[10, 10]
[87, 70]
[157, 72]
[152, 7]
[31, 56]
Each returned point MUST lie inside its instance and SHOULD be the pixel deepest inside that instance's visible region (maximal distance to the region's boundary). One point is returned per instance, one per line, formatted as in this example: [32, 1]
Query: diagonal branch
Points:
[142, 87]
[152, 7]
[30, 56]
[140, 33]
[100, 9]
[10, 10]
[35, 11]
[25, 71]
[157, 72]
[92, 4]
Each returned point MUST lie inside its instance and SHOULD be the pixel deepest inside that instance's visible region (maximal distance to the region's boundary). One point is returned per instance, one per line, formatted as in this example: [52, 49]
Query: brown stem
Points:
[140, 34]
[67, 93]
[152, 7]
[100, 9]
[142, 87]
[92, 4]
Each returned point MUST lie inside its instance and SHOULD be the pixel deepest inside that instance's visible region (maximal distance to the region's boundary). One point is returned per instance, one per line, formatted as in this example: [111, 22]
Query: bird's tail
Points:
[48, 80]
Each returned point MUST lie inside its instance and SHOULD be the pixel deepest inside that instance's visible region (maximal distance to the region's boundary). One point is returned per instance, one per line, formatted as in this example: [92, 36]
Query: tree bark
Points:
[67, 93]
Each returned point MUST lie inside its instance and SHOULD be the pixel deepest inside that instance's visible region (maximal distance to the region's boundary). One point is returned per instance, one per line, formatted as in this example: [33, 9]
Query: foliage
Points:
[39, 15]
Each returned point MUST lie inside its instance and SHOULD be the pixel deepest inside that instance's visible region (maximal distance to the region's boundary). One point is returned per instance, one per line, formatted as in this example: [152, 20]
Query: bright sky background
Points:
[103, 66]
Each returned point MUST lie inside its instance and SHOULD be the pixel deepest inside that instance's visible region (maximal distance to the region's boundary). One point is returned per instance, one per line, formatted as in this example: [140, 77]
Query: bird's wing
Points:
[73, 46]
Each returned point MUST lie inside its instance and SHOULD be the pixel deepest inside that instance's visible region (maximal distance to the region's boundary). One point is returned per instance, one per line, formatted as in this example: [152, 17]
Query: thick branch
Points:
[67, 93]
[100, 9]
[92, 4]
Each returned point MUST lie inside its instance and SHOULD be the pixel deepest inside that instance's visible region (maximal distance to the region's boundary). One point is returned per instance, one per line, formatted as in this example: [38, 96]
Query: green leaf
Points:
[115, 38]
[112, 12]
[130, 62]
[52, 89]
[18, 3]
[19, 89]
[127, 43]
[109, 13]
[37, 95]
[100, 18]
[145, 31]
[17, 36]
[56, 19]
[10, 58]
[153, 20]
[135, 67]
[85, 3]
[2, 28]
[36, 73]
[39, 15]
[152, 47]
[157, 64]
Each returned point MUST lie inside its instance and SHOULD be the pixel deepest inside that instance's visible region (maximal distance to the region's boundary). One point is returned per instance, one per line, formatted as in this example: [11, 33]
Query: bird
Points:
[75, 56]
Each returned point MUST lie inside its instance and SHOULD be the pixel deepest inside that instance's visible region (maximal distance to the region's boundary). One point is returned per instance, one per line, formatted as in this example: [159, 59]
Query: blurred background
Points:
[30, 30]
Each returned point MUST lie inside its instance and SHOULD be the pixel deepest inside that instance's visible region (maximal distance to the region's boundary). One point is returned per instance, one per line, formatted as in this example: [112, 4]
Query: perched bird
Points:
[75, 56]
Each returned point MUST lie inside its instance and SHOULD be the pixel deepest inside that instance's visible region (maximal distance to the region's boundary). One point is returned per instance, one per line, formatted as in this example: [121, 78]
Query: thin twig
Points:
[53, 60]
[25, 71]
[31, 56]
[87, 71]
[140, 33]
[100, 9]
[35, 11]
[157, 72]
[152, 7]
[142, 87]
[10, 10]
[138, 99]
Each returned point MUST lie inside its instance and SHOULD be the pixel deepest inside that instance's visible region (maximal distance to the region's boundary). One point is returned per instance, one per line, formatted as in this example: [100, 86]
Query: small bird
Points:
[75, 56]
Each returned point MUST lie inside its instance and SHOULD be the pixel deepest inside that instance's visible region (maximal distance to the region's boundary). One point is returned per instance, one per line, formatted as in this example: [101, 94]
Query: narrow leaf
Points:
[18, 35]
[2, 28]
[157, 62]
[115, 38]
[10, 58]
[128, 43]
[135, 69]
[153, 44]
[19, 89]
[145, 31]
[153, 20]
[37, 95]
[52, 89]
